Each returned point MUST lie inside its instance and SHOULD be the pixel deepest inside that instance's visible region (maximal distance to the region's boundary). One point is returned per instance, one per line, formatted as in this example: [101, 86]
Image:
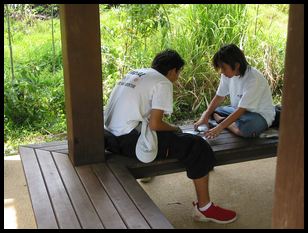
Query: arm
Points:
[206, 114]
[156, 121]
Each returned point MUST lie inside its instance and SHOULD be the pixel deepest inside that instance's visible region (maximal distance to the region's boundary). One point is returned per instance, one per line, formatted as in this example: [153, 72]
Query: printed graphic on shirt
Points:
[128, 83]
[139, 73]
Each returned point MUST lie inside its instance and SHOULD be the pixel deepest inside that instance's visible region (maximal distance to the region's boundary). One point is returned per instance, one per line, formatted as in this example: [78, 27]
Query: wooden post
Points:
[288, 209]
[81, 48]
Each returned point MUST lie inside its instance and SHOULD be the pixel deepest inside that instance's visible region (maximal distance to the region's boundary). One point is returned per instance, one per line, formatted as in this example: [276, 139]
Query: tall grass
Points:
[198, 35]
[197, 31]
[34, 100]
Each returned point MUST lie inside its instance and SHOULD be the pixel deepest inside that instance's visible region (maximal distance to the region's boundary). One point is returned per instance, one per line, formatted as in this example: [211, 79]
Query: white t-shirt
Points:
[134, 96]
[250, 91]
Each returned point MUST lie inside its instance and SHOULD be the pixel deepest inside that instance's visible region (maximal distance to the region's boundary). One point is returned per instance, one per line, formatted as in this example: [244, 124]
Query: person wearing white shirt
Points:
[134, 117]
[251, 110]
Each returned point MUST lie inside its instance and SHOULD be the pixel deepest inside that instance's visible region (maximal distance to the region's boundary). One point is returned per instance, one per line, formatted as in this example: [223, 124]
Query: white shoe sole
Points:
[146, 179]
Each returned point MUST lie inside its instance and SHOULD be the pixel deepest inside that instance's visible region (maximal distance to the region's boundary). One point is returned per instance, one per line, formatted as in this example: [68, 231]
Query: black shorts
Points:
[191, 150]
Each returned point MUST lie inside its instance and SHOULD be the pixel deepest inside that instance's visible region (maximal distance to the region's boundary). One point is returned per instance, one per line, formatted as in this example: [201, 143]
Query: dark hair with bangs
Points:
[167, 60]
[230, 54]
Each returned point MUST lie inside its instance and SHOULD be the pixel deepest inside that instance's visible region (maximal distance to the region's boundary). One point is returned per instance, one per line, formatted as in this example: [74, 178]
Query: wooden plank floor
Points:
[89, 196]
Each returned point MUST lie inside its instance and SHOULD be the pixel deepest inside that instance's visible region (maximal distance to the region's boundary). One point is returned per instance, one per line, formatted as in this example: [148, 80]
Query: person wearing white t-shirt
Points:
[134, 127]
[251, 110]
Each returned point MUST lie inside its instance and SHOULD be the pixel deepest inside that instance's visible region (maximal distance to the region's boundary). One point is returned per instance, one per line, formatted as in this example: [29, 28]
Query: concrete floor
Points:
[246, 187]
[18, 213]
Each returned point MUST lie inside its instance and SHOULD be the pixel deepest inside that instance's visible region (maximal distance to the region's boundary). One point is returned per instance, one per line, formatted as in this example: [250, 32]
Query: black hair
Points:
[167, 60]
[230, 54]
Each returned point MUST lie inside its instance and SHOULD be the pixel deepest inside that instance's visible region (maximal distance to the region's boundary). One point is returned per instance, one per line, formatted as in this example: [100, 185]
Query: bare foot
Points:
[218, 118]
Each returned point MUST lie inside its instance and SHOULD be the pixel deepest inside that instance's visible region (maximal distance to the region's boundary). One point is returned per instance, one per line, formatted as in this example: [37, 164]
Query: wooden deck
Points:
[92, 196]
[107, 195]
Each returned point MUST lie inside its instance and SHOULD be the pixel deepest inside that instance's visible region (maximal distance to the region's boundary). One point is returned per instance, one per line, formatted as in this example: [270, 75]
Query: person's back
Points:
[132, 99]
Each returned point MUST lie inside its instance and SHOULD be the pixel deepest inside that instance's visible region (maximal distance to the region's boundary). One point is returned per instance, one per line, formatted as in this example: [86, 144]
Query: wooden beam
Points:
[81, 50]
[288, 209]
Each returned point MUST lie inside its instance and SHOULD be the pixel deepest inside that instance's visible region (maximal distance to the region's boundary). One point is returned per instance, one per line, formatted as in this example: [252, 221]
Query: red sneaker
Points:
[214, 213]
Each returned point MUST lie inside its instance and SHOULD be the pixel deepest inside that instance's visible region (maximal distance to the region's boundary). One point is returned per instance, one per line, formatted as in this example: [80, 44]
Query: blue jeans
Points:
[250, 124]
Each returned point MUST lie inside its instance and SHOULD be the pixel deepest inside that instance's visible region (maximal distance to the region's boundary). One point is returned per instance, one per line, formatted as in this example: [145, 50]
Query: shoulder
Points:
[254, 72]
[224, 78]
[253, 75]
[152, 72]
[159, 78]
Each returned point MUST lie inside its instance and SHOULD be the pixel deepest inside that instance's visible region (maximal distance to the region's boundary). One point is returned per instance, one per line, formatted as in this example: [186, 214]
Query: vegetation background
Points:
[131, 35]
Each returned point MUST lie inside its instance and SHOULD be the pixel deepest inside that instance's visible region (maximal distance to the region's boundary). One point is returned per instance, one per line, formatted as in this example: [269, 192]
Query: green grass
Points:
[131, 36]
[34, 99]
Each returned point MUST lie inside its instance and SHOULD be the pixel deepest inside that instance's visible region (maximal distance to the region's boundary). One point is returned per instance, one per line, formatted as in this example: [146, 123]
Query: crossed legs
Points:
[232, 127]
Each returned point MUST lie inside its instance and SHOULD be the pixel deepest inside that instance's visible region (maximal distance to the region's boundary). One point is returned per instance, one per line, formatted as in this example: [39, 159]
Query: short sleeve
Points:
[223, 88]
[163, 97]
